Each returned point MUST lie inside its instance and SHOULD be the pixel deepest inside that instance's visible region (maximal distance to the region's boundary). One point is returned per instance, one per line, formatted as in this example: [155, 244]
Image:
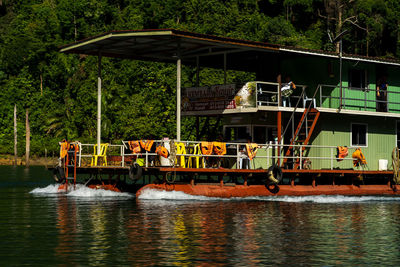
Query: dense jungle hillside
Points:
[58, 91]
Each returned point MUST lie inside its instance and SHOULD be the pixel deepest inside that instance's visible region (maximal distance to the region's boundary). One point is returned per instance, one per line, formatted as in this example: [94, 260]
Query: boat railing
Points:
[268, 154]
[87, 153]
[364, 99]
[268, 94]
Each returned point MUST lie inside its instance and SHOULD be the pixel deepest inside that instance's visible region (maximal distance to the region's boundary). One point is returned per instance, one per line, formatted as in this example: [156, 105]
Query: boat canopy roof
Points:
[167, 45]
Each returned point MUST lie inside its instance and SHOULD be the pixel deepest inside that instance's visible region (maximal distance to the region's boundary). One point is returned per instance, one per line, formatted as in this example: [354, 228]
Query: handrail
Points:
[362, 102]
[275, 91]
[235, 151]
[294, 112]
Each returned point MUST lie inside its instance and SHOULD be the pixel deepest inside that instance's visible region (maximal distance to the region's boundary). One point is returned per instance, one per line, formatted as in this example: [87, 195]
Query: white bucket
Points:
[383, 164]
[166, 161]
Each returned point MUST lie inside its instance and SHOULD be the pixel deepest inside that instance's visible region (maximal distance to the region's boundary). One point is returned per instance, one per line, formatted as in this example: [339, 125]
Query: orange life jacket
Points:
[147, 144]
[73, 147]
[162, 151]
[251, 150]
[134, 146]
[219, 148]
[342, 152]
[64, 149]
[206, 148]
[358, 157]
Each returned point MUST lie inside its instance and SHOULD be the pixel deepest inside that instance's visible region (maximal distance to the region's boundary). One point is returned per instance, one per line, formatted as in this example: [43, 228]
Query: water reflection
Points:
[67, 227]
[99, 245]
[253, 233]
[69, 231]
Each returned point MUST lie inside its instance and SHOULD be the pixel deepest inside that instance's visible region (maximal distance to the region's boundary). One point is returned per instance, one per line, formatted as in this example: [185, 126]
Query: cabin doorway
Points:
[381, 90]
[260, 134]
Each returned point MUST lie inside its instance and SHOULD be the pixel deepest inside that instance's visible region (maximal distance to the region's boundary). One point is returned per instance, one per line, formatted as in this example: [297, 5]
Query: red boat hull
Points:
[228, 191]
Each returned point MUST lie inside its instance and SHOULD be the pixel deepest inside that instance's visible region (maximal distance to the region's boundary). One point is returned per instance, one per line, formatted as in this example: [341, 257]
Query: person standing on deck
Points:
[381, 95]
[244, 162]
[286, 91]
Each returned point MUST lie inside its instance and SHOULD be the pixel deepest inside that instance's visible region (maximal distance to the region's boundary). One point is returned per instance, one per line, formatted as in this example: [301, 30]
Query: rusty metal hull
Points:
[250, 182]
[229, 191]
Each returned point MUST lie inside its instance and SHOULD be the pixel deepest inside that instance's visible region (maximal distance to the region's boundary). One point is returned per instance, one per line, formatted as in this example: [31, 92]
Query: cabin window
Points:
[259, 134]
[262, 134]
[236, 133]
[359, 134]
[358, 79]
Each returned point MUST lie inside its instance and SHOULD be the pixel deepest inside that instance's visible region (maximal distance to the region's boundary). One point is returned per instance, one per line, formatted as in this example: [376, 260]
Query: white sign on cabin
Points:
[218, 97]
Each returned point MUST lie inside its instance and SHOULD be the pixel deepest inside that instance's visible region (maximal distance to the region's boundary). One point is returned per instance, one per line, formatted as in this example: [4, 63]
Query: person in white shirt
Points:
[286, 90]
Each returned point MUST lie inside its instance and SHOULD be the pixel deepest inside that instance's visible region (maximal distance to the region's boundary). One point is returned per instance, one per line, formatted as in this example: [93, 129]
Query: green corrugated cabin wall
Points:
[314, 71]
[394, 85]
[310, 71]
[335, 130]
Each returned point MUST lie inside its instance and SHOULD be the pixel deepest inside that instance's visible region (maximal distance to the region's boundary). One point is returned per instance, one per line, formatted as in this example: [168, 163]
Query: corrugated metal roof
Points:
[331, 54]
[165, 45]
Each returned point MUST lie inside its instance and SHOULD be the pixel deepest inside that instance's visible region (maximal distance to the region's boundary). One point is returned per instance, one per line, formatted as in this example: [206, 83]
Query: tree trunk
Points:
[75, 29]
[15, 135]
[41, 84]
[398, 40]
[367, 40]
[28, 138]
[339, 24]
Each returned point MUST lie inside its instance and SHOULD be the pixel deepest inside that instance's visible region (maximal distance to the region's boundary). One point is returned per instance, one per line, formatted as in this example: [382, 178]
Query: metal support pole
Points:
[197, 71]
[279, 126]
[197, 85]
[320, 96]
[178, 99]
[15, 136]
[301, 157]
[224, 68]
[197, 127]
[237, 157]
[279, 80]
[99, 105]
[122, 156]
[293, 129]
[279, 122]
[340, 72]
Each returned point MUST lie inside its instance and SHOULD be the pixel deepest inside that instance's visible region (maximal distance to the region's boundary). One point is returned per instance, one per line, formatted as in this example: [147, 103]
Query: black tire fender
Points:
[135, 171]
[274, 174]
[58, 174]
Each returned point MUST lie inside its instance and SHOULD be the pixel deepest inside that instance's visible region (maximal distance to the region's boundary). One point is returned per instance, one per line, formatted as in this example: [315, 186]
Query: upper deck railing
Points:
[362, 99]
[258, 94]
[328, 96]
[268, 94]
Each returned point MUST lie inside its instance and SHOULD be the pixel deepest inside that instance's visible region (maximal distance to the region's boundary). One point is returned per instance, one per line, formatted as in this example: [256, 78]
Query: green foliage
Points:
[139, 99]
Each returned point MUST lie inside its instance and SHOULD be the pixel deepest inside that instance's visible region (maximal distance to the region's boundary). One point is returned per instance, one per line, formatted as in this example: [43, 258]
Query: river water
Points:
[97, 228]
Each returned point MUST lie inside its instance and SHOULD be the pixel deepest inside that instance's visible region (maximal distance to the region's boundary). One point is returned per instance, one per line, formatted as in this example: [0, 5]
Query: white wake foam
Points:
[154, 194]
[50, 189]
[80, 191]
[84, 191]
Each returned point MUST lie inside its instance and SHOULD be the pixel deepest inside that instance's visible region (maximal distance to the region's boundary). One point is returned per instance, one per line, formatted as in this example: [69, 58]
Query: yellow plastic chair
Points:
[180, 149]
[196, 151]
[103, 151]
